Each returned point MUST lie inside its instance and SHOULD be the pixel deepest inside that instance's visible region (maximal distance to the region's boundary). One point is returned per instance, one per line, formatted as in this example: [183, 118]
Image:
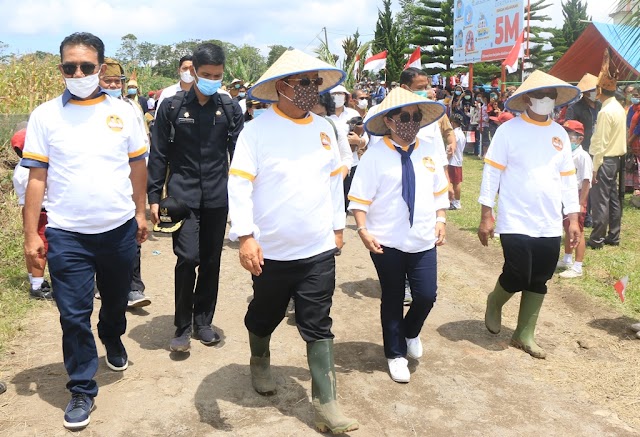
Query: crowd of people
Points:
[286, 159]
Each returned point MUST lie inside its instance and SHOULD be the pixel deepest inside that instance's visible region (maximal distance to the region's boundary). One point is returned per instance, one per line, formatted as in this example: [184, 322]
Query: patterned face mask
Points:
[407, 131]
[304, 97]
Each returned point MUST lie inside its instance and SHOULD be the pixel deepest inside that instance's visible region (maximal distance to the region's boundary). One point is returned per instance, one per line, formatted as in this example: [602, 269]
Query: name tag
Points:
[186, 120]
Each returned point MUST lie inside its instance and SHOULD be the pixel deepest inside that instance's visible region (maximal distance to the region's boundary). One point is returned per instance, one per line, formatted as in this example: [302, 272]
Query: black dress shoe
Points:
[611, 243]
[593, 245]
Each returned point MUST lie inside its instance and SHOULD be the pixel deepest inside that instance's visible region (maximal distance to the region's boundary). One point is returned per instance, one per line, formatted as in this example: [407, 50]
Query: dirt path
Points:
[469, 383]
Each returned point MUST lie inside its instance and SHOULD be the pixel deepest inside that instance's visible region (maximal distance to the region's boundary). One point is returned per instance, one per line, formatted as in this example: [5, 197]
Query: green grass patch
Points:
[602, 268]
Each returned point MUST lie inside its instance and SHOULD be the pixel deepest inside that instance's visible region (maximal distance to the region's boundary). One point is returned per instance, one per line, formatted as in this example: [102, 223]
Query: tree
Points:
[128, 51]
[350, 45]
[432, 30]
[406, 17]
[389, 37]
[575, 17]
[540, 38]
[246, 63]
[275, 51]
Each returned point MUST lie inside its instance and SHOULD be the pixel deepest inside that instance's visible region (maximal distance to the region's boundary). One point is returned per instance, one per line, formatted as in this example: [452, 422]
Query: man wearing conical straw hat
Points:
[286, 204]
[608, 147]
[529, 161]
[586, 109]
[399, 198]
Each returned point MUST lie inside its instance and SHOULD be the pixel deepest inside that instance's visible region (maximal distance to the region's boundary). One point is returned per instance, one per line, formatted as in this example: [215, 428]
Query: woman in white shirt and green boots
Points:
[399, 197]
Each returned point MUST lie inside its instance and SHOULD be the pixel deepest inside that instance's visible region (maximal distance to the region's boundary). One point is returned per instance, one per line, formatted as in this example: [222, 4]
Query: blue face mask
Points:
[113, 93]
[208, 87]
[132, 91]
[635, 100]
[257, 112]
[242, 95]
[421, 93]
[574, 146]
[458, 93]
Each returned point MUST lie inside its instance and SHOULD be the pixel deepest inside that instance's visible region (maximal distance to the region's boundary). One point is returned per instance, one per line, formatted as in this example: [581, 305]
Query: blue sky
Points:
[41, 24]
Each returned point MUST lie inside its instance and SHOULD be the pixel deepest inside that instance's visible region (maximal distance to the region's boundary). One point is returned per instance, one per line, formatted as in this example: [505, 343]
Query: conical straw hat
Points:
[399, 98]
[588, 83]
[538, 80]
[294, 62]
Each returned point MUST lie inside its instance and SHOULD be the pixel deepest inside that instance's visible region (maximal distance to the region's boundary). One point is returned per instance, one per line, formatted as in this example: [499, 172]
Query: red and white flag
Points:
[376, 62]
[517, 52]
[621, 287]
[356, 65]
[414, 60]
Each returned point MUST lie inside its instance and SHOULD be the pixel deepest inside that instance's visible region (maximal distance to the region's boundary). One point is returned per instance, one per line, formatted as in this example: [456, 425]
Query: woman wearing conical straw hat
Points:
[399, 198]
[286, 203]
[530, 162]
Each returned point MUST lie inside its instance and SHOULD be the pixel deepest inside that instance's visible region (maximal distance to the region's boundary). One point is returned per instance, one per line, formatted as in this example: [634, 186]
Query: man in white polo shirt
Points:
[87, 149]
[530, 162]
[287, 209]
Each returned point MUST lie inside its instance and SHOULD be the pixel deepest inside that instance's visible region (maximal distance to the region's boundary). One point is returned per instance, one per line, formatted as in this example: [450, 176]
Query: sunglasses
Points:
[87, 68]
[305, 81]
[406, 117]
[552, 94]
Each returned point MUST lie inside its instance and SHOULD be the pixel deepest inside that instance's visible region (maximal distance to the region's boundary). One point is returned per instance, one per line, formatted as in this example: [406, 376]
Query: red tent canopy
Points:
[585, 55]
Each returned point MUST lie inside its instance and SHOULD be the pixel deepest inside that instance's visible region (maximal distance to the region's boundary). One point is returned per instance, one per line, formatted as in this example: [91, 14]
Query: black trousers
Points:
[528, 262]
[309, 281]
[606, 210]
[347, 186]
[136, 280]
[198, 243]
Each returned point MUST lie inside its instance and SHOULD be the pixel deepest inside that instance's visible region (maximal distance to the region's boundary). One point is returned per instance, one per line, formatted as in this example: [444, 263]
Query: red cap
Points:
[17, 140]
[575, 126]
[151, 93]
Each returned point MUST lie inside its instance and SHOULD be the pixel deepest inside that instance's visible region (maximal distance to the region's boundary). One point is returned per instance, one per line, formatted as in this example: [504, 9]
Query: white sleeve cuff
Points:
[238, 231]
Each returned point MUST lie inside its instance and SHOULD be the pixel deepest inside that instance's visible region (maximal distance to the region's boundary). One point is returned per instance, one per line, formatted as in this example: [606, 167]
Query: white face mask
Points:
[591, 96]
[543, 106]
[82, 87]
[363, 104]
[338, 100]
[186, 77]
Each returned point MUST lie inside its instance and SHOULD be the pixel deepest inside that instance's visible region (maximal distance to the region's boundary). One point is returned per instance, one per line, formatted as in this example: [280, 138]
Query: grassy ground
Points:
[602, 268]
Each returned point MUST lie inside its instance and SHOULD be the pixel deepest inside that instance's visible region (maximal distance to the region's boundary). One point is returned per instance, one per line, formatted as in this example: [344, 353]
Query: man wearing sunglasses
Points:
[88, 151]
[287, 209]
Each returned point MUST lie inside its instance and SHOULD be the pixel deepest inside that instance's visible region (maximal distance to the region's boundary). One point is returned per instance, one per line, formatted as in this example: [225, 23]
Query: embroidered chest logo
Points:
[325, 140]
[557, 144]
[115, 123]
[429, 164]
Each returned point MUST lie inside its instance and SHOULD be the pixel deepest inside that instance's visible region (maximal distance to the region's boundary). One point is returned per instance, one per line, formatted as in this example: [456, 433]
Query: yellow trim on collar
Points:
[99, 99]
[308, 119]
[528, 119]
[387, 141]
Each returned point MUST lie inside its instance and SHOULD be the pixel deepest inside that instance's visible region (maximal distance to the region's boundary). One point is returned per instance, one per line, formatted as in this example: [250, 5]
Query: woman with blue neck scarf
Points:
[398, 197]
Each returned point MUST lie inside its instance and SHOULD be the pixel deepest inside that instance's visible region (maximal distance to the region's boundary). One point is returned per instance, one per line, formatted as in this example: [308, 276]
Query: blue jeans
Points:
[74, 261]
[421, 269]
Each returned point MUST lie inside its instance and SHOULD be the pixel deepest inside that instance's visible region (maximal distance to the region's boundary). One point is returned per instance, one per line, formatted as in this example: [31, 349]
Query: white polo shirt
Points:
[461, 142]
[584, 166]
[377, 190]
[343, 118]
[86, 147]
[285, 186]
[531, 163]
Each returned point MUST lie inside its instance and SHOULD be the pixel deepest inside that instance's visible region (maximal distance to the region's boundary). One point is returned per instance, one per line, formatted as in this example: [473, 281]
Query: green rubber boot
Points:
[328, 416]
[495, 301]
[523, 337]
[260, 365]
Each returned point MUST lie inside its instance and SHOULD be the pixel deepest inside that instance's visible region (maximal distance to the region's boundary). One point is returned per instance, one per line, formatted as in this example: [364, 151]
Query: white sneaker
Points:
[570, 273]
[398, 369]
[635, 327]
[414, 348]
[563, 265]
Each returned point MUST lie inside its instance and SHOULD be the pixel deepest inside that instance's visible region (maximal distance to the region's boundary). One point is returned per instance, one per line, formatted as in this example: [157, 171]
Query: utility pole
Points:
[326, 40]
